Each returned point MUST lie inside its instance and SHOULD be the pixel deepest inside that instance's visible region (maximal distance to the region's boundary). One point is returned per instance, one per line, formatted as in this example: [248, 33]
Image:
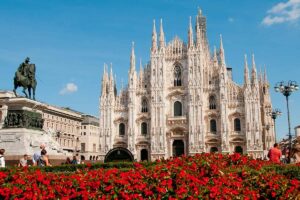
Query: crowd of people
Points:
[41, 159]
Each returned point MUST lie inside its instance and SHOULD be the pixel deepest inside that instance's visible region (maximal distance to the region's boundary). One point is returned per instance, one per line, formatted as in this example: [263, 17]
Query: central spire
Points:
[132, 59]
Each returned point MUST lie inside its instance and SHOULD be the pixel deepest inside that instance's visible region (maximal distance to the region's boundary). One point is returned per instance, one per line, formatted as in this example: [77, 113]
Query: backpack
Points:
[41, 162]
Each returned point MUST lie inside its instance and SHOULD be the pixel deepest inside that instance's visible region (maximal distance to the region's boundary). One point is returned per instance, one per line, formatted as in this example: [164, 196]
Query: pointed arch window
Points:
[213, 126]
[177, 108]
[121, 129]
[212, 102]
[237, 124]
[177, 75]
[144, 106]
[144, 128]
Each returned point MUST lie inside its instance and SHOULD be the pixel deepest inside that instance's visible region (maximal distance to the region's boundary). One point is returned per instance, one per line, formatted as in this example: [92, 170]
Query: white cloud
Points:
[283, 12]
[68, 89]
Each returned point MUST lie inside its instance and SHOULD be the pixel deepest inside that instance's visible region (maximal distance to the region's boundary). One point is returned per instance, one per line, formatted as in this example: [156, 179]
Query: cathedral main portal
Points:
[178, 148]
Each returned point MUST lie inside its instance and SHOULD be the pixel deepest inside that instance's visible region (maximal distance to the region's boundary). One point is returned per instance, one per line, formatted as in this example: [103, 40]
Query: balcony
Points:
[178, 120]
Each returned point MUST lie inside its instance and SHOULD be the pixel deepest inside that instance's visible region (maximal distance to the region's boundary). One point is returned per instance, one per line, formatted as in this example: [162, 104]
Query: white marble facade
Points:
[185, 101]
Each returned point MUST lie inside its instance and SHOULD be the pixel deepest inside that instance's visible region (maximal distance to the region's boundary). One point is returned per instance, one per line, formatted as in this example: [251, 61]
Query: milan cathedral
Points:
[185, 102]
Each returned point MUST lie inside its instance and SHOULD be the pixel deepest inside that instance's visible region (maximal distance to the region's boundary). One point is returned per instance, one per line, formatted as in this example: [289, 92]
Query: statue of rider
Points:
[22, 70]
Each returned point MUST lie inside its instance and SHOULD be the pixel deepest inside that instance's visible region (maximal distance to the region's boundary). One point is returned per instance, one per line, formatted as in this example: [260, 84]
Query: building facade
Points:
[63, 124]
[89, 139]
[184, 101]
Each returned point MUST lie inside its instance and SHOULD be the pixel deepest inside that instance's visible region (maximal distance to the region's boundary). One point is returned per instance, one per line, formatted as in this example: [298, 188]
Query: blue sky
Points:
[69, 40]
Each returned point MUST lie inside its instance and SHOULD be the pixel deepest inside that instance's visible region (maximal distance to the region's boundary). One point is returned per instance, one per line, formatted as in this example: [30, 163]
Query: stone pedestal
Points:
[20, 141]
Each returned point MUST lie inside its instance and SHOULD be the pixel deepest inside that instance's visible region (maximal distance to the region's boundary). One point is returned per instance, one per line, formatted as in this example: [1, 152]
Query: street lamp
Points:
[287, 90]
[274, 114]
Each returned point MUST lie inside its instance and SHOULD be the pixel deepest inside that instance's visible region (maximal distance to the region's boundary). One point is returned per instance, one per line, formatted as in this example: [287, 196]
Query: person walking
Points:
[2, 160]
[275, 153]
[23, 161]
[36, 156]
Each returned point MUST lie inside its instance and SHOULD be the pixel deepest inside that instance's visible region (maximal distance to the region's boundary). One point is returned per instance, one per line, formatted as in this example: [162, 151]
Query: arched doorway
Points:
[118, 154]
[214, 150]
[238, 149]
[178, 148]
[144, 155]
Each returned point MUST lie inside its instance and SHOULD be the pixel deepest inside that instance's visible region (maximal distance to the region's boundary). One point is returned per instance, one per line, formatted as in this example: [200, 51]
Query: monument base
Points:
[20, 141]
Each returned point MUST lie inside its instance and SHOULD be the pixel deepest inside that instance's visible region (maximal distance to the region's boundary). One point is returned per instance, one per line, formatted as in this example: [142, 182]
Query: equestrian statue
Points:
[25, 77]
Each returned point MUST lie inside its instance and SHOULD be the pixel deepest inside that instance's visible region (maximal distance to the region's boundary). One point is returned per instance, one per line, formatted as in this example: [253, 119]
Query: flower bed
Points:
[204, 176]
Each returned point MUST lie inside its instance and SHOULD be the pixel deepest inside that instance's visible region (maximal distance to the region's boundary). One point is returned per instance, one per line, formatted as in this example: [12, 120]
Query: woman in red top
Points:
[275, 154]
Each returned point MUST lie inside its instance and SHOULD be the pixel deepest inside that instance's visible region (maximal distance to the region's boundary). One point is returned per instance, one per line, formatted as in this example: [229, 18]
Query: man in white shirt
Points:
[36, 156]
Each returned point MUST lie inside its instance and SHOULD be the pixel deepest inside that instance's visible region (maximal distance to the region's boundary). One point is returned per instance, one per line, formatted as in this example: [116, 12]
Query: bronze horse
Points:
[27, 82]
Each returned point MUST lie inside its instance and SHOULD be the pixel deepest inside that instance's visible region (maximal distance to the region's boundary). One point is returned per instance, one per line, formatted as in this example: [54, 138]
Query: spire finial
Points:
[132, 59]
[161, 35]
[253, 62]
[253, 73]
[104, 70]
[246, 71]
[154, 37]
[111, 70]
[154, 27]
[265, 75]
[199, 11]
[222, 52]
[221, 42]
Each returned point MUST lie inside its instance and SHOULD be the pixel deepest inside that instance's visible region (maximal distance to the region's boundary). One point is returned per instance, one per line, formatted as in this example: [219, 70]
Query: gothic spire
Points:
[253, 73]
[222, 52]
[199, 11]
[265, 76]
[132, 59]
[122, 86]
[198, 33]
[246, 72]
[154, 38]
[105, 75]
[260, 75]
[104, 79]
[161, 35]
[111, 74]
[191, 39]
[215, 58]
[141, 69]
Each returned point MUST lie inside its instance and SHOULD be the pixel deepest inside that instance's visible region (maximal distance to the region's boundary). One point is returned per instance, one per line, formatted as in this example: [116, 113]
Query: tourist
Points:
[23, 161]
[43, 159]
[68, 161]
[2, 160]
[275, 153]
[37, 155]
[74, 161]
